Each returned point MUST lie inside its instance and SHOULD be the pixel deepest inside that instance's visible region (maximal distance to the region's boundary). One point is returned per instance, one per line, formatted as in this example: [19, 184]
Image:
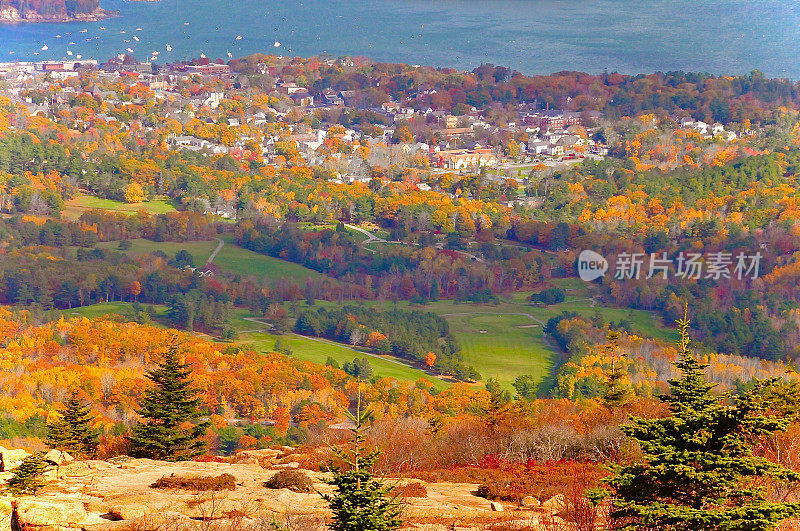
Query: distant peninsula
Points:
[18, 11]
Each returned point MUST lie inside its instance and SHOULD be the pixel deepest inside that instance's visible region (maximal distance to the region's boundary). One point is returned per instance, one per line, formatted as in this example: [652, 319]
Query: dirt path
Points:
[592, 301]
[216, 251]
[371, 238]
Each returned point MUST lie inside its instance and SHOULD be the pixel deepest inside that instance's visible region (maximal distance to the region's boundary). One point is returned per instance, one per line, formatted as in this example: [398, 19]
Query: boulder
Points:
[557, 504]
[58, 457]
[6, 510]
[266, 453]
[293, 464]
[11, 459]
[128, 511]
[530, 501]
[497, 507]
[75, 469]
[51, 514]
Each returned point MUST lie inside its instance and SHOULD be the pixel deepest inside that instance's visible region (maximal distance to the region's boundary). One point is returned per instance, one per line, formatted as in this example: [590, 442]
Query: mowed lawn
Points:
[502, 346]
[318, 352]
[80, 204]
[103, 309]
[231, 258]
[200, 250]
[240, 261]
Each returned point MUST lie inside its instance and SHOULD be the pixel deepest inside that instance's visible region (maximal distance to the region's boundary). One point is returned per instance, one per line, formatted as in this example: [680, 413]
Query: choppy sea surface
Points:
[532, 36]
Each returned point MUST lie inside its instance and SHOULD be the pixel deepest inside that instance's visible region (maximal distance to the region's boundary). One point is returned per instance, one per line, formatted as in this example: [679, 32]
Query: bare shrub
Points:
[294, 480]
[196, 483]
[415, 489]
[404, 443]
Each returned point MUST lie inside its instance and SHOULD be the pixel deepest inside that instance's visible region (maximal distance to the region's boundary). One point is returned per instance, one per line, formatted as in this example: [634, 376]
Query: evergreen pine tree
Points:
[28, 477]
[168, 410]
[616, 392]
[698, 470]
[73, 432]
[361, 502]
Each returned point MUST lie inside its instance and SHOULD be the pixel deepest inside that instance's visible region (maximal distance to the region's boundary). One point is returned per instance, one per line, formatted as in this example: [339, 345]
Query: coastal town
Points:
[201, 107]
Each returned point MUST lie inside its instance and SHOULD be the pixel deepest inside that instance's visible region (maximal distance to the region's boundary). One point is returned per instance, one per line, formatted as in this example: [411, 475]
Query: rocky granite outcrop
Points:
[117, 495]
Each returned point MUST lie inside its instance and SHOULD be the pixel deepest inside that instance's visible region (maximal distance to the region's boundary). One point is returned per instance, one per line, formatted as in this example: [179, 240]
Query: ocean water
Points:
[532, 36]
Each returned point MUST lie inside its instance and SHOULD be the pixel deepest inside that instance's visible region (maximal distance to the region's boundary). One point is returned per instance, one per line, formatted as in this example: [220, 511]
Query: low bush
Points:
[196, 483]
[294, 480]
[541, 481]
[415, 489]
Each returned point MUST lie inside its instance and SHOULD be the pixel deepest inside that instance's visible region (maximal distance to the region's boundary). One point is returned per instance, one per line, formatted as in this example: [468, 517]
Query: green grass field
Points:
[502, 346]
[231, 258]
[200, 250]
[123, 309]
[319, 351]
[506, 340]
[238, 260]
[80, 204]
[501, 341]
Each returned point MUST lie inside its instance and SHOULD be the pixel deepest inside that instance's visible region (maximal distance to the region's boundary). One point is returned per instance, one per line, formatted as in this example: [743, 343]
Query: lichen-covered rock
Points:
[11, 459]
[556, 505]
[530, 501]
[51, 514]
[6, 510]
[58, 457]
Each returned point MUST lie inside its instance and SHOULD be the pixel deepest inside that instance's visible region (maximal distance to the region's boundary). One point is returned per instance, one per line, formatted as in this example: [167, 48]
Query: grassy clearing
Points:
[510, 345]
[200, 250]
[240, 261]
[302, 348]
[642, 323]
[231, 258]
[318, 352]
[104, 309]
[81, 203]
[502, 346]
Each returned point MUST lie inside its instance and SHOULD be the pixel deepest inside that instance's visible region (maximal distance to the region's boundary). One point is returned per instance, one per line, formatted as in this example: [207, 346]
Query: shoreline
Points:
[11, 17]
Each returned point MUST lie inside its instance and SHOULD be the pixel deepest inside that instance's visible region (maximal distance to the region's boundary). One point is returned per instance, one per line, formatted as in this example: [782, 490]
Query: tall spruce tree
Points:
[73, 432]
[361, 502]
[698, 470]
[169, 409]
[616, 392]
